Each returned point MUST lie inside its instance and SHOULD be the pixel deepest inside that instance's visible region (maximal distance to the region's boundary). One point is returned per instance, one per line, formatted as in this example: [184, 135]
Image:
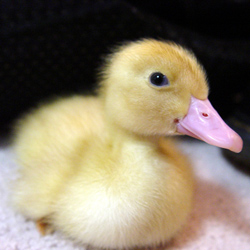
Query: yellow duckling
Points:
[100, 168]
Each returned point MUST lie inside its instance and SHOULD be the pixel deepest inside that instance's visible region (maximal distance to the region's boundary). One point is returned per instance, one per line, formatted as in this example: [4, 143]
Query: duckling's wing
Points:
[47, 143]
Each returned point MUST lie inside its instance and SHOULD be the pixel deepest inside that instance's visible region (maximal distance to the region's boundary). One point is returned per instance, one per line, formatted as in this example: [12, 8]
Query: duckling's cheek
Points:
[178, 103]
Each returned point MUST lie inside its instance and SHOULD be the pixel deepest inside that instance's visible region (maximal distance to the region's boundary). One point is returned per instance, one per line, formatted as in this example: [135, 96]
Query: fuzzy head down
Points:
[134, 103]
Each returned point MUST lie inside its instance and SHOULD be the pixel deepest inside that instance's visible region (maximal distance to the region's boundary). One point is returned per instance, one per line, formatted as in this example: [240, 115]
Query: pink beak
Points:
[204, 123]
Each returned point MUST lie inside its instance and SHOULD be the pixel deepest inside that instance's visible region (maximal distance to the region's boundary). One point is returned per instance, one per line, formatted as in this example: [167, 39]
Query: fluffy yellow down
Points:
[100, 168]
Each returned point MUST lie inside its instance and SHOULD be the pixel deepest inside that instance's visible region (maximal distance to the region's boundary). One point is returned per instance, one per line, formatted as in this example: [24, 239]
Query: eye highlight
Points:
[158, 79]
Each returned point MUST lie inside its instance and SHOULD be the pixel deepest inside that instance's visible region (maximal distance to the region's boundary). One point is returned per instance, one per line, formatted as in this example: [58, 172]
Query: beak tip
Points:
[237, 144]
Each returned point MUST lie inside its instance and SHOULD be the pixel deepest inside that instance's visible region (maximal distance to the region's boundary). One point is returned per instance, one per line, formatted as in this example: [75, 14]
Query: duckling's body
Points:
[94, 181]
[99, 168]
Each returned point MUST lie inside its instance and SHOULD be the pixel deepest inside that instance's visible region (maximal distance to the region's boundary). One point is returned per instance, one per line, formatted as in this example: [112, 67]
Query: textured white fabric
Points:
[220, 219]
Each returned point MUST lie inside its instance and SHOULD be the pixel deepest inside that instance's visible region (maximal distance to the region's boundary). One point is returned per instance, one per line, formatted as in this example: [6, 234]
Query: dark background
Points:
[51, 47]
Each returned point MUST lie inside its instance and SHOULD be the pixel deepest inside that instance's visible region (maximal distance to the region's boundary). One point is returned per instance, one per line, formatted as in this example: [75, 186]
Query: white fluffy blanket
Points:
[220, 219]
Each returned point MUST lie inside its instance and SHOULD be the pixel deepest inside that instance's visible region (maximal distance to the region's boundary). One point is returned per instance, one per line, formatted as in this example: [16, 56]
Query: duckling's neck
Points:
[117, 133]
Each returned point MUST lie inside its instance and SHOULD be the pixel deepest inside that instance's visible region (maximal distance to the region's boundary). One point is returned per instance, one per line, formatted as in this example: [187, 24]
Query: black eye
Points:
[158, 79]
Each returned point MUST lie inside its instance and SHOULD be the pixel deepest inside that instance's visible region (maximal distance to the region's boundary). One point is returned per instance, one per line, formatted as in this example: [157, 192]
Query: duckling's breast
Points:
[140, 198]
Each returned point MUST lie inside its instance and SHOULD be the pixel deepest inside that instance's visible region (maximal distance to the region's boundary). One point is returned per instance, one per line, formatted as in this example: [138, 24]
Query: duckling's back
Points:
[47, 142]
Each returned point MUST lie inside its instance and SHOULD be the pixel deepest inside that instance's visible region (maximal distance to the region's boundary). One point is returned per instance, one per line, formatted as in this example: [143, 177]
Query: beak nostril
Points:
[205, 114]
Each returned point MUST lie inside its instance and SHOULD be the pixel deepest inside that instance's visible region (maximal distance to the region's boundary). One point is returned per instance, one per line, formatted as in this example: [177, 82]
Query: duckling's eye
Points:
[158, 79]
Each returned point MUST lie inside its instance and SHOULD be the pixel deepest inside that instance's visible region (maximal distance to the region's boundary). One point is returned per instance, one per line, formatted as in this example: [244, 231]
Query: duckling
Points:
[104, 170]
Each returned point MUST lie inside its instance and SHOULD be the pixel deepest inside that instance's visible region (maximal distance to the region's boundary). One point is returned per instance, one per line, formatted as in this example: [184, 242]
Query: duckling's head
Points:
[152, 87]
